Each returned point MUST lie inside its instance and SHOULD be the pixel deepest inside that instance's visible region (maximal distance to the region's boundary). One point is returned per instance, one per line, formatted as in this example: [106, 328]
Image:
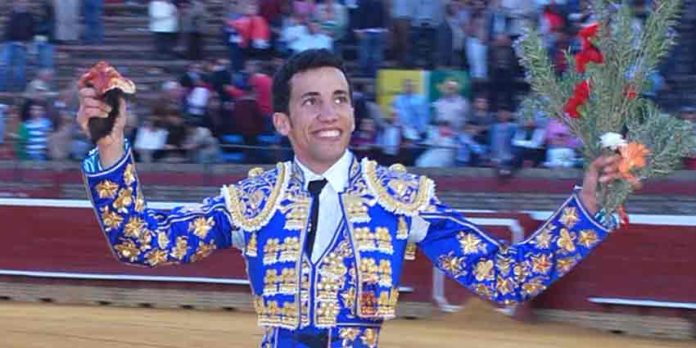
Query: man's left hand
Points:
[603, 170]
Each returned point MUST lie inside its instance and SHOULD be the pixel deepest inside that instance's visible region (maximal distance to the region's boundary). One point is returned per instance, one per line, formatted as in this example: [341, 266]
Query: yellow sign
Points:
[390, 83]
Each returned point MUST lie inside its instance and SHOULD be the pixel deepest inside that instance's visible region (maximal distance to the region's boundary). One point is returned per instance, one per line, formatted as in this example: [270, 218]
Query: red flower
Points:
[630, 92]
[580, 95]
[587, 33]
[586, 56]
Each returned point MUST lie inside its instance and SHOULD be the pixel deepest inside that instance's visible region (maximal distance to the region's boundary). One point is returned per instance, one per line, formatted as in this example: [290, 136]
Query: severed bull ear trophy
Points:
[110, 87]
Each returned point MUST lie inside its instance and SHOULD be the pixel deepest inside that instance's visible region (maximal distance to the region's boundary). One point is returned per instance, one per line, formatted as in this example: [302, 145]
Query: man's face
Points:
[321, 117]
[481, 104]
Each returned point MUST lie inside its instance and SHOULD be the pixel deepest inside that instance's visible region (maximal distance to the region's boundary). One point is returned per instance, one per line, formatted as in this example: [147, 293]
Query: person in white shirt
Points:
[164, 24]
[451, 107]
[324, 236]
[313, 38]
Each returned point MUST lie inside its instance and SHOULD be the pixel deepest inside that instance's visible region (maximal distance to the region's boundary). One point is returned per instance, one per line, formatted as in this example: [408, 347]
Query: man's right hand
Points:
[111, 146]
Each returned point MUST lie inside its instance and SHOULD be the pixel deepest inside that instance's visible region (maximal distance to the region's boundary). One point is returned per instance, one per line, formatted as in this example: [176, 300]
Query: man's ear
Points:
[281, 122]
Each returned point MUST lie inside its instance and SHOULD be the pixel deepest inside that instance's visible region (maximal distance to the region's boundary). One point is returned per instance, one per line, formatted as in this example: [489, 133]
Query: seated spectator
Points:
[451, 107]
[313, 38]
[194, 75]
[202, 146]
[42, 88]
[390, 139]
[370, 29]
[177, 131]
[293, 30]
[247, 120]
[67, 20]
[442, 142]
[470, 152]
[364, 139]
[34, 131]
[501, 135]
[150, 138]
[304, 8]
[192, 26]
[481, 119]
[528, 144]
[332, 17]
[561, 145]
[60, 140]
[412, 109]
[197, 103]
[253, 35]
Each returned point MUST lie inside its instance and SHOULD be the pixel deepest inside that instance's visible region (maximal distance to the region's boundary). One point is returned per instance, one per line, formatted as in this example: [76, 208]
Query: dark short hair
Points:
[301, 62]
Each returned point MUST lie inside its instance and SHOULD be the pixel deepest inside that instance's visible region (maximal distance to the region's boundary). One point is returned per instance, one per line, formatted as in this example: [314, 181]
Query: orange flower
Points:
[633, 156]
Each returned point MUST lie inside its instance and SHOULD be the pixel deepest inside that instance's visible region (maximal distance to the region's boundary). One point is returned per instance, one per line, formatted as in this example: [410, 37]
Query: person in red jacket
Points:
[249, 34]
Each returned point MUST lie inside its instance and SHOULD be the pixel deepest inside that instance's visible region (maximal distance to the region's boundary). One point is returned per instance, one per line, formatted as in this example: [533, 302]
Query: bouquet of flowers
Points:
[599, 97]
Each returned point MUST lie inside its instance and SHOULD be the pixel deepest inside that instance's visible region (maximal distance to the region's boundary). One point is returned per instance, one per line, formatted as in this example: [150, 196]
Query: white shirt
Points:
[164, 17]
[330, 213]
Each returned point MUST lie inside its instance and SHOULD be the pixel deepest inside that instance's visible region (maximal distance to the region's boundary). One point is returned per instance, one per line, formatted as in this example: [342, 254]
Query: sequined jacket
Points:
[355, 283]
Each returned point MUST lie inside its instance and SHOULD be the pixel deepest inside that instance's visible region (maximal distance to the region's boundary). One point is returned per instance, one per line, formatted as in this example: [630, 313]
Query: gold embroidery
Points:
[520, 272]
[484, 270]
[128, 250]
[254, 172]
[156, 257]
[237, 198]
[332, 277]
[162, 240]
[201, 226]
[541, 264]
[410, 253]
[483, 290]
[289, 249]
[410, 196]
[204, 249]
[296, 211]
[180, 249]
[452, 264]
[270, 251]
[124, 200]
[287, 282]
[369, 338]
[588, 238]
[470, 243]
[110, 219]
[139, 201]
[504, 286]
[503, 265]
[565, 265]
[402, 229]
[543, 239]
[270, 283]
[134, 227]
[533, 287]
[565, 241]
[251, 248]
[129, 174]
[348, 335]
[348, 297]
[356, 209]
[106, 189]
[145, 240]
[569, 217]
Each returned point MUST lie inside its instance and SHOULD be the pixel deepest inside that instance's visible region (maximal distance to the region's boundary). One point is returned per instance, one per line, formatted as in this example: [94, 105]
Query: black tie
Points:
[314, 188]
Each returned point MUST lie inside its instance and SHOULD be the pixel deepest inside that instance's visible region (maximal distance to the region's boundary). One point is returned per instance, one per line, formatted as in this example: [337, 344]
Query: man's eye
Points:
[341, 100]
[309, 102]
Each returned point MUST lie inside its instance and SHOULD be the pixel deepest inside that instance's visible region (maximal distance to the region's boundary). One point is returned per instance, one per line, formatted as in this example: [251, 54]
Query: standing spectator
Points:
[412, 110]
[197, 103]
[371, 28]
[333, 20]
[44, 35]
[248, 121]
[233, 37]
[67, 20]
[192, 24]
[94, 26]
[34, 132]
[164, 24]
[253, 35]
[401, 16]
[451, 107]
[501, 135]
[427, 17]
[19, 31]
[502, 70]
[450, 33]
[477, 41]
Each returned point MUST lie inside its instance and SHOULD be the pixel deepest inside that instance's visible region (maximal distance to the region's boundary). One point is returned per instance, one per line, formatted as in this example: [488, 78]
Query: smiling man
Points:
[325, 236]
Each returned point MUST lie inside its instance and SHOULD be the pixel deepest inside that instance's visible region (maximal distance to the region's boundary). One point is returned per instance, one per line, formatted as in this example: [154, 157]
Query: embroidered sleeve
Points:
[151, 237]
[508, 274]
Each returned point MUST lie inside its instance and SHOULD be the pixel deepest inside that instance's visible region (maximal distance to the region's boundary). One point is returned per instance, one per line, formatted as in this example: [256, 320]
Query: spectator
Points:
[561, 145]
[34, 132]
[442, 142]
[149, 140]
[94, 27]
[390, 139]
[477, 32]
[261, 84]
[501, 135]
[450, 33]
[233, 37]
[253, 35]
[522, 14]
[371, 29]
[177, 131]
[193, 76]
[60, 140]
[412, 110]
[197, 103]
[313, 38]
[427, 17]
[19, 31]
[528, 144]
[67, 20]
[364, 140]
[44, 35]
[164, 24]
[248, 121]
[271, 11]
[293, 30]
[333, 21]
[202, 146]
[502, 71]
[451, 107]
[10, 121]
[470, 152]
[192, 26]
[42, 87]
[481, 120]
[304, 9]
[401, 16]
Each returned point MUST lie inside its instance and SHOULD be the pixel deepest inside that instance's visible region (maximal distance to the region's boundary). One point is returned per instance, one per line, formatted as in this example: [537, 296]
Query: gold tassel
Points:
[402, 229]
[251, 246]
[410, 252]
